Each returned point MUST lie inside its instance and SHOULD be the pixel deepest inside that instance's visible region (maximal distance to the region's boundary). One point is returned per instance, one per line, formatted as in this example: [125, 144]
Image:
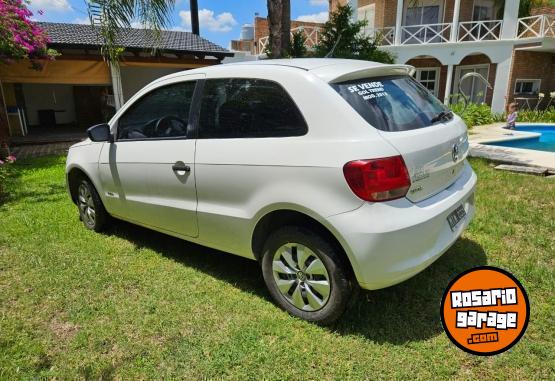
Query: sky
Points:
[220, 20]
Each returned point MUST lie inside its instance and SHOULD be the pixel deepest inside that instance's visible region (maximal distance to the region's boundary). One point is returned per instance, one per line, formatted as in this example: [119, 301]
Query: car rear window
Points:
[393, 103]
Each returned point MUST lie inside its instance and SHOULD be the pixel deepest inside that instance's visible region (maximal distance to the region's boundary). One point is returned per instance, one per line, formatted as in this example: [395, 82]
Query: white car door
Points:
[148, 171]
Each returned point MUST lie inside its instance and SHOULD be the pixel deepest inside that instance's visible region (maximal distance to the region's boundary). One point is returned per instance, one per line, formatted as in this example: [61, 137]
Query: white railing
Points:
[383, 36]
[311, 34]
[262, 43]
[425, 34]
[479, 30]
[468, 31]
[536, 26]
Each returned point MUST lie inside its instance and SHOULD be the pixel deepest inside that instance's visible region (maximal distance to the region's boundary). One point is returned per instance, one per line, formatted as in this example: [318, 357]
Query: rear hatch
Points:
[432, 141]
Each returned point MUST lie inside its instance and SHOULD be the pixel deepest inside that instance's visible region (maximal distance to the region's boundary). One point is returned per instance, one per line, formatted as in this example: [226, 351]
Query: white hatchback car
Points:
[331, 173]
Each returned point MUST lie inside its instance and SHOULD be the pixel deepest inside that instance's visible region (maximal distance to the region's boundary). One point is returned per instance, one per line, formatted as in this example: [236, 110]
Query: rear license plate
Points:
[455, 217]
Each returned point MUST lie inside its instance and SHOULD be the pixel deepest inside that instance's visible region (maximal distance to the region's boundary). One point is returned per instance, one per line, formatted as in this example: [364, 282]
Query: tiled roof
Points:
[83, 35]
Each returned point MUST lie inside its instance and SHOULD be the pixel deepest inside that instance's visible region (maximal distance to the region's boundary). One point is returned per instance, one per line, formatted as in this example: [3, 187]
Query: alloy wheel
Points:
[301, 277]
[86, 205]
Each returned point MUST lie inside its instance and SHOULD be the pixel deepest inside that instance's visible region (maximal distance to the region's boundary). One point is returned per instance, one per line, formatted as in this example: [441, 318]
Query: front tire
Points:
[91, 210]
[306, 275]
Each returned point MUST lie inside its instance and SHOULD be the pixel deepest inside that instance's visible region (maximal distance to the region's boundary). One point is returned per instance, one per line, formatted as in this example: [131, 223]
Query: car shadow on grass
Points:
[399, 314]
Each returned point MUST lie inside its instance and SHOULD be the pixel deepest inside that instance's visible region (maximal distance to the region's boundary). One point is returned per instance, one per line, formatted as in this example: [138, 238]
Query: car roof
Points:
[331, 70]
[308, 63]
[335, 69]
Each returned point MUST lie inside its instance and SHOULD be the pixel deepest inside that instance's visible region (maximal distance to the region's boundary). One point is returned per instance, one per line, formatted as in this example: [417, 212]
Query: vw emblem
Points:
[455, 153]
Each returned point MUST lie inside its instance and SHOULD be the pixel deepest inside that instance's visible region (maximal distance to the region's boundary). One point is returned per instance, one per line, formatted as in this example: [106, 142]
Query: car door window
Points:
[248, 108]
[162, 113]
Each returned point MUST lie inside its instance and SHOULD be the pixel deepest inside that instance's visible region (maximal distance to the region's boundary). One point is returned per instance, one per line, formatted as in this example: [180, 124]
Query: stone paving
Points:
[36, 150]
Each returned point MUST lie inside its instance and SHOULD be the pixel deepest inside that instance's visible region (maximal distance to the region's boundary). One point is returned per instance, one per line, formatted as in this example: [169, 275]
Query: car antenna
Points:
[330, 53]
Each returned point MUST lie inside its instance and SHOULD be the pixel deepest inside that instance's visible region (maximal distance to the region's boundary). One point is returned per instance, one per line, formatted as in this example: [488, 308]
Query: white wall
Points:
[135, 78]
[47, 96]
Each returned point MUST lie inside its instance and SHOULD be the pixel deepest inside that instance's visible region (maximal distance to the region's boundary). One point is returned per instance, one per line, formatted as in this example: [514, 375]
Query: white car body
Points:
[234, 183]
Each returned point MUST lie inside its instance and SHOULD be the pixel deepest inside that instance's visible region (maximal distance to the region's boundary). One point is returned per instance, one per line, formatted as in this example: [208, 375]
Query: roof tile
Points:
[83, 34]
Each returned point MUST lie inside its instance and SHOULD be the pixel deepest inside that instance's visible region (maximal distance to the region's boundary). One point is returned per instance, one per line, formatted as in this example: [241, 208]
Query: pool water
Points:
[545, 142]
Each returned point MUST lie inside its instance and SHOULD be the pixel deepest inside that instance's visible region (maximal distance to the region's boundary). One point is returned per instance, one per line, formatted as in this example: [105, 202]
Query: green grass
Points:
[132, 303]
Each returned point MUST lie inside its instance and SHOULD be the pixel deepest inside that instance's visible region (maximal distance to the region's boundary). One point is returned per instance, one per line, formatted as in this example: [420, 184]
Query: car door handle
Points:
[180, 167]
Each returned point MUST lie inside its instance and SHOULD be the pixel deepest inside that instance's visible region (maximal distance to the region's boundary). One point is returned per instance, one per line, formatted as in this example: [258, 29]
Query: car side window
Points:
[248, 108]
[161, 113]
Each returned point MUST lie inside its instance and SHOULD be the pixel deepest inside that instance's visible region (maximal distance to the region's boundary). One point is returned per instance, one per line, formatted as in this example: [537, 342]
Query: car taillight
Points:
[378, 179]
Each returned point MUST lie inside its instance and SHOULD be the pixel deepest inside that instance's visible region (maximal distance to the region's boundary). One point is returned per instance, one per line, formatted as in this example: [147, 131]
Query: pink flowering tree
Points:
[20, 38]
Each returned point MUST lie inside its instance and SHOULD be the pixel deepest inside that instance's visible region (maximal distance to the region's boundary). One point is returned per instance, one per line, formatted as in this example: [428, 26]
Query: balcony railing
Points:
[468, 31]
[384, 36]
[311, 34]
[479, 30]
[536, 26]
[425, 34]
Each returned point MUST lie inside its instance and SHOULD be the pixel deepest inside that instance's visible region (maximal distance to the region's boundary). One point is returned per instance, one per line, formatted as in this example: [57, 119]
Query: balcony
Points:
[468, 31]
[310, 33]
[536, 26]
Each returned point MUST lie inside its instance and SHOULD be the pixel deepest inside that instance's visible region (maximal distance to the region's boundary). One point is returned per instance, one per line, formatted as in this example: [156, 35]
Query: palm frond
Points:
[113, 15]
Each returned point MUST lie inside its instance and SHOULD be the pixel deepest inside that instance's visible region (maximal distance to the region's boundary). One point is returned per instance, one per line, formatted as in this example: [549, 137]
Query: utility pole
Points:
[194, 17]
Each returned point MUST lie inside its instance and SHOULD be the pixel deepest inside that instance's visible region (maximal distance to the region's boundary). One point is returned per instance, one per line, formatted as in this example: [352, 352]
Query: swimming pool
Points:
[544, 142]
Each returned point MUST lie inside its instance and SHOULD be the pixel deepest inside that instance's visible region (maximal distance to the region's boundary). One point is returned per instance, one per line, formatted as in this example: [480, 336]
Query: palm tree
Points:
[279, 24]
[113, 15]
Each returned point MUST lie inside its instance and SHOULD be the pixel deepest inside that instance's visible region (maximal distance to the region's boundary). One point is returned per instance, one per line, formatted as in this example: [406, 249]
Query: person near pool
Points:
[512, 115]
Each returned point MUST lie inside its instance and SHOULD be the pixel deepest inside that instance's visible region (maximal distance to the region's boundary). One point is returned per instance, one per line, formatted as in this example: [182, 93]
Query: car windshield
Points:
[393, 103]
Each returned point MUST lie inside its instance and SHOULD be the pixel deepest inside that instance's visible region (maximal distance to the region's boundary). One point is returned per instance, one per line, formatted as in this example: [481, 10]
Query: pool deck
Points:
[509, 155]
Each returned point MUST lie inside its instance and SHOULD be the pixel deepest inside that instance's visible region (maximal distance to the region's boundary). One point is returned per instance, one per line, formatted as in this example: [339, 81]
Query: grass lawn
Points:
[132, 303]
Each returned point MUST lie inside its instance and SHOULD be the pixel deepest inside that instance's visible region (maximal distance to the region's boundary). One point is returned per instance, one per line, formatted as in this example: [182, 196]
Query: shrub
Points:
[343, 35]
[537, 116]
[476, 114]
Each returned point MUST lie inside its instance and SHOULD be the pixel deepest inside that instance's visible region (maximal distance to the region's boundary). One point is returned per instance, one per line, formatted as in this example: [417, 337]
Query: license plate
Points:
[455, 217]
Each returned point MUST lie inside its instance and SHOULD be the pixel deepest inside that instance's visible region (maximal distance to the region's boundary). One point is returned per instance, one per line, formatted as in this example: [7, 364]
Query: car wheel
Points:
[306, 275]
[91, 209]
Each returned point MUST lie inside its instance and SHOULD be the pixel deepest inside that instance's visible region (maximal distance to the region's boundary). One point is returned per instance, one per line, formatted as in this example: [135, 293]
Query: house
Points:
[446, 39]
[254, 38]
[80, 89]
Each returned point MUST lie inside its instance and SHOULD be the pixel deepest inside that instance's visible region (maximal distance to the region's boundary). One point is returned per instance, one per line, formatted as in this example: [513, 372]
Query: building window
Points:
[429, 78]
[368, 13]
[527, 86]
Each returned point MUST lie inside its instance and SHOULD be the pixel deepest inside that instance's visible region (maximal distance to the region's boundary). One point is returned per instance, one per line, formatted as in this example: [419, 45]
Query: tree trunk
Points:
[285, 27]
[279, 24]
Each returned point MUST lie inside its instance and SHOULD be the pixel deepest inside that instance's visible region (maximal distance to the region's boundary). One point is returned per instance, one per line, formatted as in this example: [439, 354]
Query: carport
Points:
[79, 89]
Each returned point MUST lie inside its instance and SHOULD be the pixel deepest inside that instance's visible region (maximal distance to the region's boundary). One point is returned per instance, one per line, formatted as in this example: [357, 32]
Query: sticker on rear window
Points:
[369, 90]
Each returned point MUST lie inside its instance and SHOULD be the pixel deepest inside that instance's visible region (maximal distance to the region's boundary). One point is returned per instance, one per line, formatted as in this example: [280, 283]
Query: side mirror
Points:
[100, 133]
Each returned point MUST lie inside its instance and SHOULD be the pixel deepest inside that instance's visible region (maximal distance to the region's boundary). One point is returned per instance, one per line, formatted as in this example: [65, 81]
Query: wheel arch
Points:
[73, 176]
[275, 219]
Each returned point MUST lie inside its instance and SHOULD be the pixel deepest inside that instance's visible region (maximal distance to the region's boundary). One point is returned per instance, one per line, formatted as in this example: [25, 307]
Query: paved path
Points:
[36, 150]
[509, 155]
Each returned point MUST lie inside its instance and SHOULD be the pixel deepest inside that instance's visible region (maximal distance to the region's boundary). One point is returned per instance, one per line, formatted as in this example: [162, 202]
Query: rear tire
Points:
[91, 210]
[306, 275]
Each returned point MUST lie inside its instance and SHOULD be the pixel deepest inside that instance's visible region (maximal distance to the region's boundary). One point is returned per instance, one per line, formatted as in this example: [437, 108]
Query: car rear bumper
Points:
[393, 241]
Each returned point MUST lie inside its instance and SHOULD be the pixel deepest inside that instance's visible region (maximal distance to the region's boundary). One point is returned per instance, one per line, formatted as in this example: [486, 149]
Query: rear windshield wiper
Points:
[441, 116]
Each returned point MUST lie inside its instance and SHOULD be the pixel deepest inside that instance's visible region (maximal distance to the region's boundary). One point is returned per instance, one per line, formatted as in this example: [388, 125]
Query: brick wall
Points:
[547, 10]
[543, 68]
[386, 10]
[243, 45]
[469, 60]
[335, 3]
